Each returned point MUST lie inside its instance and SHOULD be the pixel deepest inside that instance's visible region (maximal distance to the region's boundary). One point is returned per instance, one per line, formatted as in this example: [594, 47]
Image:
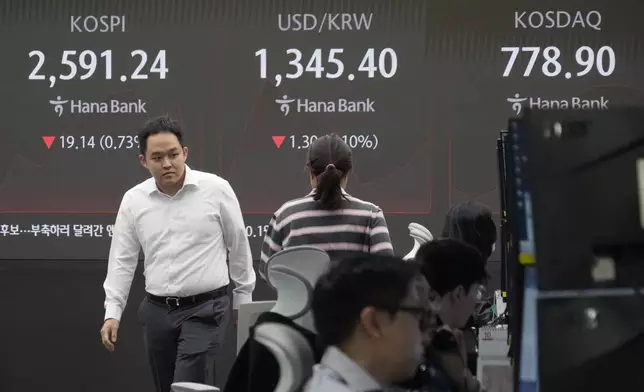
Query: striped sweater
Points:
[359, 226]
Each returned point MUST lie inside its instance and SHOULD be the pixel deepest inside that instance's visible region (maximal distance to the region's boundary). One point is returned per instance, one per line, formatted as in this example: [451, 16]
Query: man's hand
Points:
[454, 362]
[109, 333]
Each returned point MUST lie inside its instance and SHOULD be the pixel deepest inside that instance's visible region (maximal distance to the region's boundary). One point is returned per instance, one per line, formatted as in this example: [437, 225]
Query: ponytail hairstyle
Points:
[329, 161]
[471, 222]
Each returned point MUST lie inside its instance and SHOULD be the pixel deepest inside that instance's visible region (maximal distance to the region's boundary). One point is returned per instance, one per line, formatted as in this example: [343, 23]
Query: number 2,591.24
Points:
[86, 62]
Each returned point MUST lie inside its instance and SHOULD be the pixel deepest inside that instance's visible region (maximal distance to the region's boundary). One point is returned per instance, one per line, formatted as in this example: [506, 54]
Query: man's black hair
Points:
[448, 263]
[353, 284]
[159, 125]
[472, 223]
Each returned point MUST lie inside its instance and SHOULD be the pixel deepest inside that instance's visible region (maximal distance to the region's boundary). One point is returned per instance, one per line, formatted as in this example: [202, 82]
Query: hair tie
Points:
[330, 166]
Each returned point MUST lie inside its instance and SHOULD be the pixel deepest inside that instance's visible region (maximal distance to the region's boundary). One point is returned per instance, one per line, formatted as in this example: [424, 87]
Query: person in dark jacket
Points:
[455, 272]
[445, 368]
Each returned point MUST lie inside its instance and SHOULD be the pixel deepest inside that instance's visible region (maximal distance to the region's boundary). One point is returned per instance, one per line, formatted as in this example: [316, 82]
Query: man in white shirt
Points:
[188, 224]
[372, 312]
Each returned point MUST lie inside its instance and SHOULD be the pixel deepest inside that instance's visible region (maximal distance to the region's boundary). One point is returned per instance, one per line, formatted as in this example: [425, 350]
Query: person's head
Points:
[472, 223]
[329, 162]
[374, 309]
[162, 151]
[456, 273]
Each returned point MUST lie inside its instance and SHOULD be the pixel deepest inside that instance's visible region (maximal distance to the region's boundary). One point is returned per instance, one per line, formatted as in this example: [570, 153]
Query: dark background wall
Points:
[51, 313]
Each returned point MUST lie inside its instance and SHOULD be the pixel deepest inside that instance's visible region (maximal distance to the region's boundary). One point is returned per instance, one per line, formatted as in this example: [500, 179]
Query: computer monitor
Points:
[581, 185]
[586, 171]
[502, 155]
[520, 239]
[528, 365]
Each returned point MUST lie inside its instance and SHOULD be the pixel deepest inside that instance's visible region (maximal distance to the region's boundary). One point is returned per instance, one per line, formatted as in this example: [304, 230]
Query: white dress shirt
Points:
[186, 240]
[336, 372]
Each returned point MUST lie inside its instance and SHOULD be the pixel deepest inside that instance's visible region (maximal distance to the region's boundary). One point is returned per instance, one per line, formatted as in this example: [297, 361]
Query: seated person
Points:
[471, 222]
[370, 311]
[455, 272]
[256, 369]
[328, 217]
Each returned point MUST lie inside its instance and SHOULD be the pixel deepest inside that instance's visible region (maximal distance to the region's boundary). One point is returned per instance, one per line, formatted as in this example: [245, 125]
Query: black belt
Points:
[180, 302]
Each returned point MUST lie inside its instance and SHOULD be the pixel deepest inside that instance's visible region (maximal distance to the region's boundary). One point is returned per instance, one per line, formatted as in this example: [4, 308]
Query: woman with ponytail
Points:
[328, 217]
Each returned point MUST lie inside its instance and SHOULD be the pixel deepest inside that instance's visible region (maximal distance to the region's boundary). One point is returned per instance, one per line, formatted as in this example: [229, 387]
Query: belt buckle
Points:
[169, 300]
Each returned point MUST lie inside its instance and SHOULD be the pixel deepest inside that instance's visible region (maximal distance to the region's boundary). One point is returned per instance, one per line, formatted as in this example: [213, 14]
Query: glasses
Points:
[423, 316]
[479, 292]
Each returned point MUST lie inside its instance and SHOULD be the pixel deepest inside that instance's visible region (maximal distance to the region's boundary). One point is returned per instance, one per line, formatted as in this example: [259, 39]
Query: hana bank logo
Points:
[516, 102]
[577, 103]
[285, 104]
[338, 105]
[58, 105]
[112, 106]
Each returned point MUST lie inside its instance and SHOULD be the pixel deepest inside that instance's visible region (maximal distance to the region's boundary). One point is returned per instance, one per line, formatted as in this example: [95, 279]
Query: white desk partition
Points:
[192, 387]
[247, 316]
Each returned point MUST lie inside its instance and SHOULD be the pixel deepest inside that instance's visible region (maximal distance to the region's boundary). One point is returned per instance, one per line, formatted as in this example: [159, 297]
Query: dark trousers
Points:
[182, 342]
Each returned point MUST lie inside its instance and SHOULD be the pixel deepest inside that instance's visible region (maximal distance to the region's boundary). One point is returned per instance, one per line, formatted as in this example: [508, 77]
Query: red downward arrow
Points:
[278, 140]
[49, 140]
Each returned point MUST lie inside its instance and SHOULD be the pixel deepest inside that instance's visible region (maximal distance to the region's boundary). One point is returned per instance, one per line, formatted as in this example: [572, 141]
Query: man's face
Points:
[463, 304]
[165, 159]
[403, 339]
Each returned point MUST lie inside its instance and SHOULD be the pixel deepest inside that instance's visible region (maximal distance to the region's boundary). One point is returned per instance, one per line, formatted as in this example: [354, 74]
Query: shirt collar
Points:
[358, 379]
[190, 179]
[344, 193]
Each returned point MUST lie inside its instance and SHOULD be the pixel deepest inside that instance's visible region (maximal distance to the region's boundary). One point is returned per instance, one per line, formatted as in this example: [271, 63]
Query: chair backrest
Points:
[247, 317]
[292, 351]
[293, 272]
[192, 387]
[421, 235]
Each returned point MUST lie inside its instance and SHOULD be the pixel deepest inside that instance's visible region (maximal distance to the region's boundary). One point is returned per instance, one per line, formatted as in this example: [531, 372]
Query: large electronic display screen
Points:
[419, 89]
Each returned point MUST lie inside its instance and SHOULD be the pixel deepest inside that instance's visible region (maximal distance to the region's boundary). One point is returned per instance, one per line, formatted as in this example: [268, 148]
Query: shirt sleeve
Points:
[379, 239]
[271, 245]
[121, 265]
[239, 255]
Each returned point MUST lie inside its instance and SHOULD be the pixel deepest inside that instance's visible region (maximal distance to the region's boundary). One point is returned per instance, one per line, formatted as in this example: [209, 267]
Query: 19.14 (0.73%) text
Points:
[92, 142]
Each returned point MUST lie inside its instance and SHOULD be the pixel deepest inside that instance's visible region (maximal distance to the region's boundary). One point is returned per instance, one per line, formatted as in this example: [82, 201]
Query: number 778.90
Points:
[585, 58]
